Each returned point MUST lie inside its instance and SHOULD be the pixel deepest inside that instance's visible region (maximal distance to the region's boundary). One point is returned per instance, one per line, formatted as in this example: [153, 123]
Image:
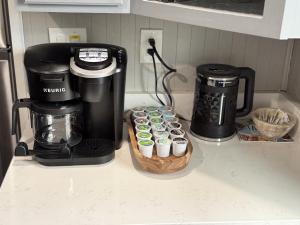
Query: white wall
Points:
[184, 45]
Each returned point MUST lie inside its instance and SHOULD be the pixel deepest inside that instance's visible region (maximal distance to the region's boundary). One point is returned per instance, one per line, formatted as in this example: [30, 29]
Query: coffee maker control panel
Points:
[93, 58]
[93, 54]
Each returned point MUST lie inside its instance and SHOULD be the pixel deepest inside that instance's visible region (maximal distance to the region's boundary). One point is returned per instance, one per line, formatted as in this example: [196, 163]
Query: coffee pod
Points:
[138, 109]
[141, 115]
[179, 146]
[155, 114]
[169, 114]
[146, 147]
[142, 128]
[141, 121]
[166, 109]
[158, 127]
[171, 120]
[151, 109]
[161, 134]
[143, 136]
[177, 133]
[156, 121]
[173, 125]
[163, 147]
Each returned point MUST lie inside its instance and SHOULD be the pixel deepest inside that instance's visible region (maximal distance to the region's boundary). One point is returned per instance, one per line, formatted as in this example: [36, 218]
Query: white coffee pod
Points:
[177, 133]
[138, 109]
[179, 146]
[161, 134]
[141, 121]
[171, 120]
[173, 125]
[146, 147]
[163, 147]
[158, 127]
[141, 115]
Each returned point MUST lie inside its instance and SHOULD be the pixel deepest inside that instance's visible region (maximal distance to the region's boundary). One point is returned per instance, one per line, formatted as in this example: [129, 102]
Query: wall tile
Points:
[184, 46]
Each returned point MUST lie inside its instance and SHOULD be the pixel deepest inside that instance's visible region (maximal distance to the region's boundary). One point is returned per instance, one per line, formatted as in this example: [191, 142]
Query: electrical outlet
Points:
[69, 35]
[145, 35]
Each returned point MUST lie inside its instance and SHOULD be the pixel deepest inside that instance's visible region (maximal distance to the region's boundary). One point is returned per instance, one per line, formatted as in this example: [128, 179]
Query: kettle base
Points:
[213, 139]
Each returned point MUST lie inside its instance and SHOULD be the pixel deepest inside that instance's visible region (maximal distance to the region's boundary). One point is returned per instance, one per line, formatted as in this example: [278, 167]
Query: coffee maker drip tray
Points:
[87, 152]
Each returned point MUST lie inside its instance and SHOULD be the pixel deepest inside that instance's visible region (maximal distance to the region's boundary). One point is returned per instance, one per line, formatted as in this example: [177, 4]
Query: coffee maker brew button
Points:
[104, 54]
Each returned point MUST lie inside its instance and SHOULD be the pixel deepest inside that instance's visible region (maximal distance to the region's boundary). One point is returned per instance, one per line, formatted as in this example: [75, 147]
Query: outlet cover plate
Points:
[68, 35]
[145, 35]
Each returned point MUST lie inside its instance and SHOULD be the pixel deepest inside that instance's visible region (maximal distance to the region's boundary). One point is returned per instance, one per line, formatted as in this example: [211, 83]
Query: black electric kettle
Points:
[215, 101]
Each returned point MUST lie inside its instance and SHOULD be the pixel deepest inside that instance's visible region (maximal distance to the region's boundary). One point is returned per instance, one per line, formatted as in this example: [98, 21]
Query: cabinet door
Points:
[74, 6]
[75, 2]
[255, 7]
[256, 17]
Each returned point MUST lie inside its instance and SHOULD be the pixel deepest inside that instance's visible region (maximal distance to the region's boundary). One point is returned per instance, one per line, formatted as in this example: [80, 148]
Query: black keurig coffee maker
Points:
[76, 102]
[215, 101]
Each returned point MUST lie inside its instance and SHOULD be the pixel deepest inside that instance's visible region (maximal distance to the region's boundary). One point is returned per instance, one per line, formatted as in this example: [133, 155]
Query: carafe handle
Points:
[249, 75]
[20, 103]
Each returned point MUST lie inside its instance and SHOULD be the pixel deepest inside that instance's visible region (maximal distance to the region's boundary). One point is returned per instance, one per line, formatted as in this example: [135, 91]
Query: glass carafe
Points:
[57, 130]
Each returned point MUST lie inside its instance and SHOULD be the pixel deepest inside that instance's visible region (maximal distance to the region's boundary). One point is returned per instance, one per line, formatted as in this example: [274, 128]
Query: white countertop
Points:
[228, 183]
[232, 183]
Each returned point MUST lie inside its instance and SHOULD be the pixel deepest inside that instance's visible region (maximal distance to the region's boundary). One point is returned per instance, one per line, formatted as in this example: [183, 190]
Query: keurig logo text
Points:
[54, 90]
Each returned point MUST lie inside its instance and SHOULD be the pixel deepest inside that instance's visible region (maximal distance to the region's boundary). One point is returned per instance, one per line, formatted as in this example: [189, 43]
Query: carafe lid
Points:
[57, 108]
[220, 72]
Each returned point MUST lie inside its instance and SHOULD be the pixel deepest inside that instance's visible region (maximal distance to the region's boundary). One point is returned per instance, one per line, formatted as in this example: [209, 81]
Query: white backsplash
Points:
[294, 77]
[184, 46]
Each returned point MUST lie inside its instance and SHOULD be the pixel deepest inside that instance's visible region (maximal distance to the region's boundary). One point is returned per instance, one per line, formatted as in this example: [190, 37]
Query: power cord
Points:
[153, 52]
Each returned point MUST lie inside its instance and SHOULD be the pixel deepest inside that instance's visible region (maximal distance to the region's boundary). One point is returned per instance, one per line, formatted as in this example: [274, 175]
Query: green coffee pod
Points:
[143, 127]
[156, 120]
[146, 142]
[151, 109]
[154, 114]
[144, 135]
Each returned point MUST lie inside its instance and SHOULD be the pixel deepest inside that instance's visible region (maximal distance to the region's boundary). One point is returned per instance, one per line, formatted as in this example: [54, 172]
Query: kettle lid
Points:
[218, 72]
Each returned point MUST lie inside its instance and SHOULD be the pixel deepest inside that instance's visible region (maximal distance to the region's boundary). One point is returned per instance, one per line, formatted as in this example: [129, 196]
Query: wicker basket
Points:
[270, 130]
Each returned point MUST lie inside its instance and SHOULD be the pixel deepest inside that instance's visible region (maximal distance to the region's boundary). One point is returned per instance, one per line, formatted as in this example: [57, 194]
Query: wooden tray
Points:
[157, 164]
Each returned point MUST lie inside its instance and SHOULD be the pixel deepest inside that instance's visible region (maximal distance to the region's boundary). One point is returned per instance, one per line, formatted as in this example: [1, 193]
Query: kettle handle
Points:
[249, 75]
[20, 103]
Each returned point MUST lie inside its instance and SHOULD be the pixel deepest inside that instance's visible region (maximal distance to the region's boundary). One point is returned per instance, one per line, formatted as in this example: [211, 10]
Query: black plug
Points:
[150, 51]
[151, 42]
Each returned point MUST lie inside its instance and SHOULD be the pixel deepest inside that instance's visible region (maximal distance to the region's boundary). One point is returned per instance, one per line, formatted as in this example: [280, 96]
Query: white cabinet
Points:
[278, 19]
[80, 6]
[75, 2]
